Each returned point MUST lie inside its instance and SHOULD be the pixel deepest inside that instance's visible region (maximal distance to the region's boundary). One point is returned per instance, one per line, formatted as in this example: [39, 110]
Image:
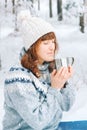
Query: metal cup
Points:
[65, 62]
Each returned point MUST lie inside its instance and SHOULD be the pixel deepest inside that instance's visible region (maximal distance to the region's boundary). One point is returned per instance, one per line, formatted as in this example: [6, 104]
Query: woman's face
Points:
[46, 51]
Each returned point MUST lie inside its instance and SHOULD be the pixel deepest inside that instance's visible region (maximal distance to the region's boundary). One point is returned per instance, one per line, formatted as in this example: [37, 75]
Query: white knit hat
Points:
[32, 28]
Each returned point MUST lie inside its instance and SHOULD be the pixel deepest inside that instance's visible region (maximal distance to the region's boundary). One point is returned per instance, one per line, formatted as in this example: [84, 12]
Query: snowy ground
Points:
[71, 43]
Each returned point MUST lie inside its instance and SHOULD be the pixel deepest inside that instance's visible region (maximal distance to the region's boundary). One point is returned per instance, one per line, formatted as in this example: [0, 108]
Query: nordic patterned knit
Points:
[31, 103]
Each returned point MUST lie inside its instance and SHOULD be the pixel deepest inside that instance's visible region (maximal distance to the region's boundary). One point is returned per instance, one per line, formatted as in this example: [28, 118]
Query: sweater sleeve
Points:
[36, 110]
[65, 96]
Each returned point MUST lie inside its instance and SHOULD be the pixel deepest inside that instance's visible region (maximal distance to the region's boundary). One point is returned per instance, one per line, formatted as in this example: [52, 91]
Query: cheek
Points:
[40, 52]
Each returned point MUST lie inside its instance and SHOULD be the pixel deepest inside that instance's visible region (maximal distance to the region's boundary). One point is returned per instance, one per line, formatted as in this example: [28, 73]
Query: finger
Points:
[70, 69]
[53, 72]
[60, 70]
[64, 72]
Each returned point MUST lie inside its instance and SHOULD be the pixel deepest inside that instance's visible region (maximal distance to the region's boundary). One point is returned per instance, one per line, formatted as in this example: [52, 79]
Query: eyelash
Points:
[45, 43]
[48, 43]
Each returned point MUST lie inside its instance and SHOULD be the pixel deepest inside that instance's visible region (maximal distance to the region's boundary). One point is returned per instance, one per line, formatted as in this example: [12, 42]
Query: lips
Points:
[50, 53]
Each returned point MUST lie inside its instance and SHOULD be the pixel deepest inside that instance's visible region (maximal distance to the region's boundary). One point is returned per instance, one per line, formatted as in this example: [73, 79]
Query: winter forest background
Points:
[69, 18]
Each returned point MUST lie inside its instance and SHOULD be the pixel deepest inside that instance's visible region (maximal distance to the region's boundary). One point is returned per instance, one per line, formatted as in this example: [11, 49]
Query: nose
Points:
[52, 46]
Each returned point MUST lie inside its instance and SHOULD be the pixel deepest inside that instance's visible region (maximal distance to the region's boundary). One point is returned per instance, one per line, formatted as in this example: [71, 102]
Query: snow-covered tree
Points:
[21, 5]
[75, 9]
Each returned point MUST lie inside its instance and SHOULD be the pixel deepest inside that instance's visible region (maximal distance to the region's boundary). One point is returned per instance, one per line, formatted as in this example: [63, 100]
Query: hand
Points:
[58, 78]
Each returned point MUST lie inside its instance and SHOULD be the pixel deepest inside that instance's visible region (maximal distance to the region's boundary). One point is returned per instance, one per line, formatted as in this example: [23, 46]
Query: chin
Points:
[50, 59]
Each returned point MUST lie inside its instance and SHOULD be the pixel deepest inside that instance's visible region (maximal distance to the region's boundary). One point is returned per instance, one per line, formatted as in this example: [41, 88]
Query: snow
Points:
[71, 43]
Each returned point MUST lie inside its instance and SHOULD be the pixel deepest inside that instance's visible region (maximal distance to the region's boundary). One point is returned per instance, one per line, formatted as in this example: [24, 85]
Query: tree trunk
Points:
[5, 3]
[16, 28]
[38, 4]
[82, 19]
[32, 1]
[81, 23]
[0, 63]
[13, 6]
[50, 8]
[59, 10]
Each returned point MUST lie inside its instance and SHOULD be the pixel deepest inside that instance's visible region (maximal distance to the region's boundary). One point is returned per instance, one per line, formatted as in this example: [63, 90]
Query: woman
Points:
[36, 94]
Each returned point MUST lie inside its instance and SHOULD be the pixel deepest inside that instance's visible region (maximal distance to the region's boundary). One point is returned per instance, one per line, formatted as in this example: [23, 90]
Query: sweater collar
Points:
[43, 67]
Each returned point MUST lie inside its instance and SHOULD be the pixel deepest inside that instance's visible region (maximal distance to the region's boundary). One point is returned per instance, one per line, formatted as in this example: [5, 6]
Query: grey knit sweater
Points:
[31, 103]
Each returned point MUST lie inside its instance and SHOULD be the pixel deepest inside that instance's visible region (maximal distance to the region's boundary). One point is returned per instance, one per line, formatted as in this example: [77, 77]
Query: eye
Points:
[45, 43]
